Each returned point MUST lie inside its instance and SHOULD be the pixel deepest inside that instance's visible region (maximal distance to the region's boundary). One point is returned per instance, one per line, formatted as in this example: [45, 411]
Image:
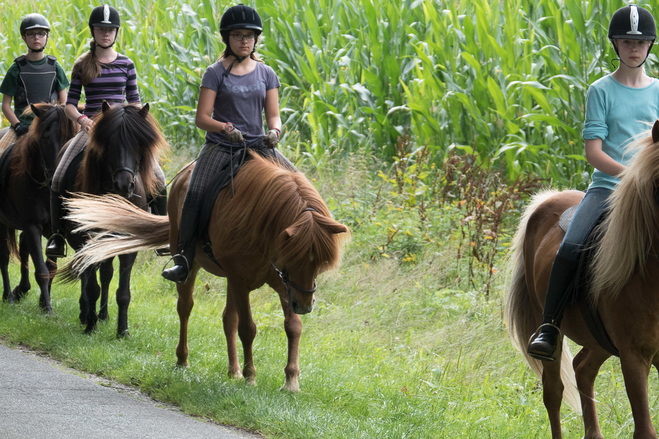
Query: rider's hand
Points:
[271, 138]
[233, 134]
[20, 129]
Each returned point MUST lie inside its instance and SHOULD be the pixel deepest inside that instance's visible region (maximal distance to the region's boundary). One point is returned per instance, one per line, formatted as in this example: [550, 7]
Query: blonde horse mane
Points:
[269, 199]
[630, 228]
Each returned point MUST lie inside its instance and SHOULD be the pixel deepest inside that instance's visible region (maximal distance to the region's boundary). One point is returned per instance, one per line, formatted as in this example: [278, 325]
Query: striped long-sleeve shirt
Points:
[117, 83]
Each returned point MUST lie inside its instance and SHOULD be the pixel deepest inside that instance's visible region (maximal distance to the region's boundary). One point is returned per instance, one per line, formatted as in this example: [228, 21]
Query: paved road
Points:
[40, 399]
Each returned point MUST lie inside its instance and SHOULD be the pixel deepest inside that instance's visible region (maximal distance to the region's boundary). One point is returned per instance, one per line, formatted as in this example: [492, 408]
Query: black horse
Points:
[120, 159]
[26, 168]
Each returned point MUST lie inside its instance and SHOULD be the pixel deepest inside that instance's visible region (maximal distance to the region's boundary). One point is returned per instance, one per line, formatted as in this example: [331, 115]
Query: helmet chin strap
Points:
[37, 50]
[638, 66]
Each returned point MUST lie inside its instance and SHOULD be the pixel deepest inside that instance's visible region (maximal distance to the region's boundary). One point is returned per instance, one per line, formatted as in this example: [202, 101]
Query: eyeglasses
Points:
[36, 34]
[240, 37]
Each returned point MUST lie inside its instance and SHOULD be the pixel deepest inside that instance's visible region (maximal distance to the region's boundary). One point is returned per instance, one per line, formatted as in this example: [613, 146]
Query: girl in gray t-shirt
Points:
[235, 93]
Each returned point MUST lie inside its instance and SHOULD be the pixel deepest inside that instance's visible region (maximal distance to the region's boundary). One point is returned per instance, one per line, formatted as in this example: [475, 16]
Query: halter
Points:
[283, 274]
[132, 172]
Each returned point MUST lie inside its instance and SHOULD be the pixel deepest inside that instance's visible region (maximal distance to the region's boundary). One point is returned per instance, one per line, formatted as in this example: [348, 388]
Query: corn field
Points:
[503, 79]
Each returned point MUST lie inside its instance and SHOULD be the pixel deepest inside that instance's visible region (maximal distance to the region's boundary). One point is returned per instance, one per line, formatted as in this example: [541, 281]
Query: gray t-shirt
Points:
[240, 100]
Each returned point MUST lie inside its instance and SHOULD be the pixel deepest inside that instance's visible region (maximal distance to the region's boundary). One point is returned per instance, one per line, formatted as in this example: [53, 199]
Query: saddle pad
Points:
[7, 139]
[566, 217]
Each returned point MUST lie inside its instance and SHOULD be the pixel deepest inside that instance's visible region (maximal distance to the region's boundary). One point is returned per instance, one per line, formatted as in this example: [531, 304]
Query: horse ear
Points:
[144, 111]
[655, 132]
[336, 228]
[291, 231]
[105, 107]
[37, 111]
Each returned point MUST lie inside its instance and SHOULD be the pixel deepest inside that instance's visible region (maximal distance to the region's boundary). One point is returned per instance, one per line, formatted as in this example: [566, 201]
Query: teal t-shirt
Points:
[617, 114]
[9, 85]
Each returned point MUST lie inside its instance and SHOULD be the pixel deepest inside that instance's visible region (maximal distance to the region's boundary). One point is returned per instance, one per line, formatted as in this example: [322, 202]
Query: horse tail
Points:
[117, 227]
[12, 245]
[518, 309]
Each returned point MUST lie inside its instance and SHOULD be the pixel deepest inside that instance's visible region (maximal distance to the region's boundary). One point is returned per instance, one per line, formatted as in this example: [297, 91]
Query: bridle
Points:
[132, 172]
[283, 274]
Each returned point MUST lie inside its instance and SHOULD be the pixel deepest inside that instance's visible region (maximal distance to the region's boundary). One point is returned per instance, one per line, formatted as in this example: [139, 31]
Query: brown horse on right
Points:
[275, 229]
[624, 288]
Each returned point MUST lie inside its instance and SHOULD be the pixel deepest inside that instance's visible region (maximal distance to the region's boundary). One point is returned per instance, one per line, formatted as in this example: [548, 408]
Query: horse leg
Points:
[237, 317]
[293, 328]
[84, 301]
[93, 292]
[21, 290]
[586, 367]
[230, 320]
[552, 393]
[106, 272]
[635, 371]
[7, 293]
[123, 293]
[31, 243]
[184, 308]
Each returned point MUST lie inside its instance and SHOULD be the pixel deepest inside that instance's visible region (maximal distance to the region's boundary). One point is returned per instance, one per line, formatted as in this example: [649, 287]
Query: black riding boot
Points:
[187, 243]
[56, 246]
[544, 343]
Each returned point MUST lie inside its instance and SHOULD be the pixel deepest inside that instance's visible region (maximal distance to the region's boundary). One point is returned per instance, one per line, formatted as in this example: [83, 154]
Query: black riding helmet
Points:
[241, 17]
[34, 21]
[104, 16]
[633, 23]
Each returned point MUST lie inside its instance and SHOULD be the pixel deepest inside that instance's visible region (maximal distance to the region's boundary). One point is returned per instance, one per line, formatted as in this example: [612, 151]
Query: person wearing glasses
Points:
[31, 79]
[235, 93]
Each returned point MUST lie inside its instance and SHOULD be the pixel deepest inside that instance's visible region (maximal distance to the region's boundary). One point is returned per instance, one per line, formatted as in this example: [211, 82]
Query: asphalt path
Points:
[39, 398]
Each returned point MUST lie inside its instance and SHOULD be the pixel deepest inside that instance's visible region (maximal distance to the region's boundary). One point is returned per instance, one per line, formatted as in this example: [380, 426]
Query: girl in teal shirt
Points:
[619, 107]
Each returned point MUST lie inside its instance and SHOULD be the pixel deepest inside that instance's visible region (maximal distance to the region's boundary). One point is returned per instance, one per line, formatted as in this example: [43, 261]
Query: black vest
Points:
[36, 83]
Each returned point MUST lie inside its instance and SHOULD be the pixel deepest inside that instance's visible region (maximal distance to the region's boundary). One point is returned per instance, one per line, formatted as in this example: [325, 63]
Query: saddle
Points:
[578, 289]
[222, 179]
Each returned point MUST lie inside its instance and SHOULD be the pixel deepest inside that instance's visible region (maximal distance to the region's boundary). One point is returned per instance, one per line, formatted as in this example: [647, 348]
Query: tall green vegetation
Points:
[503, 79]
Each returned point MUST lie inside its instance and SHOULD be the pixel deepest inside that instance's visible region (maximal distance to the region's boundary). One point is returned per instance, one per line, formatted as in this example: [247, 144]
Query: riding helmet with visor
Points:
[633, 23]
[241, 17]
[34, 21]
[104, 16]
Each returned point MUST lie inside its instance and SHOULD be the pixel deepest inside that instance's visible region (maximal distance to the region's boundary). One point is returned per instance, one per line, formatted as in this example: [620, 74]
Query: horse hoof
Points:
[288, 387]
[103, 316]
[250, 382]
[123, 335]
[182, 365]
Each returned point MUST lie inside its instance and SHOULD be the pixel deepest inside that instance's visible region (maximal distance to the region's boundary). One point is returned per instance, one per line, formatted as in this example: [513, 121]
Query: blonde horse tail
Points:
[116, 227]
[518, 309]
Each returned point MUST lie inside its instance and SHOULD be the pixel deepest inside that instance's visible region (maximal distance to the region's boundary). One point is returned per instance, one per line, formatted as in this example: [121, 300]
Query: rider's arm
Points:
[601, 160]
[61, 96]
[203, 118]
[272, 117]
[7, 111]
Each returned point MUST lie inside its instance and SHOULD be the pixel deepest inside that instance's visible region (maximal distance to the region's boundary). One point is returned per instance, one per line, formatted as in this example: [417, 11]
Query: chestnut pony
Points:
[275, 229]
[25, 199]
[623, 287]
[119, 159]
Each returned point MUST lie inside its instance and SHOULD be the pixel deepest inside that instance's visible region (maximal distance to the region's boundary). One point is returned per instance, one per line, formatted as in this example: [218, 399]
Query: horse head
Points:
[38, 149]
[123, 146]
[310, 247]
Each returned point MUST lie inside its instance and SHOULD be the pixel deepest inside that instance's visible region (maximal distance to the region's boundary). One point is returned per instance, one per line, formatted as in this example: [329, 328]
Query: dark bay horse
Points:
[25, 199]
[119, 159]
[276, 229]
[624, 288]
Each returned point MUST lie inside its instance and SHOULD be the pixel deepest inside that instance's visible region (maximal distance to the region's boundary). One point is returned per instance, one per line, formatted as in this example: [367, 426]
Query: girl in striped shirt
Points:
[105, 75]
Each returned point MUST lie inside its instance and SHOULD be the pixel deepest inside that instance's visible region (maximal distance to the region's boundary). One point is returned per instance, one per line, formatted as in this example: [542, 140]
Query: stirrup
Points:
[51, 240]
[535, 335]
[163, 251]
[187, 266]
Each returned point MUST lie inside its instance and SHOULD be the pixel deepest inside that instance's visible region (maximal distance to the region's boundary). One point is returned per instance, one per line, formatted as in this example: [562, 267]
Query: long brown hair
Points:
[87, 66]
